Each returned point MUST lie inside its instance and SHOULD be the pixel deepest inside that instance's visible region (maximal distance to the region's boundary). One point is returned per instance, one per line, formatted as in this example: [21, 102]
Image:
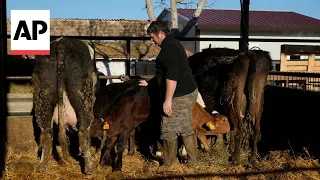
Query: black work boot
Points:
[169, 153]
[190, 142]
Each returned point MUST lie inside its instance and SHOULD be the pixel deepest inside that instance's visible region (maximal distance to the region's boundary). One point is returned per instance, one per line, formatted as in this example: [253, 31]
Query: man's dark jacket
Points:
[172, 63]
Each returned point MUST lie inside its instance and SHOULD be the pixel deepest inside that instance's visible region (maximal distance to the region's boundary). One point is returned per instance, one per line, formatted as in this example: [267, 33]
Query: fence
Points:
[296, 80]
[304, 81]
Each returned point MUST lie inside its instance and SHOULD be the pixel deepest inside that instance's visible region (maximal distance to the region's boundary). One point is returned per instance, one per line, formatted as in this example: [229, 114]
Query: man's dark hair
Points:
[157, 26]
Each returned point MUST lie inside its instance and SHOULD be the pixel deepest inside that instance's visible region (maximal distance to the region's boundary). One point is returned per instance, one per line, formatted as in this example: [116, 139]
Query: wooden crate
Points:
[308, 65]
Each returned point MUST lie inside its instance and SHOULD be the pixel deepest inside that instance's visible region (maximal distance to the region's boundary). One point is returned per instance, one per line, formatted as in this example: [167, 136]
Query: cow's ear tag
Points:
[106, 126]
[210, 125]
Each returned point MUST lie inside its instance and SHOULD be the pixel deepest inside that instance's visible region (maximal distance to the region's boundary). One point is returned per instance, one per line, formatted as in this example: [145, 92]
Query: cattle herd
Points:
[67, 92]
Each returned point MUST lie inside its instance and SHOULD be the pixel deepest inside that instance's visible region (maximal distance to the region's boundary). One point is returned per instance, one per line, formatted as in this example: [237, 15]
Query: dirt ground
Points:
[213, 165]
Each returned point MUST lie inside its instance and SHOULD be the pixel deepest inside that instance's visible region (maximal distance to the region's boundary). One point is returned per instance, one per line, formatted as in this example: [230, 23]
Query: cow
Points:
[128, 110]
[104, 99]
[214, 124]
[64, 92]
[233, 83]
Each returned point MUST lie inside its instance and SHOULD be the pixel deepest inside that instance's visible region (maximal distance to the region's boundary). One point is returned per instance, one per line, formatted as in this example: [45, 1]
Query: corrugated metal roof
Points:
[258, 20]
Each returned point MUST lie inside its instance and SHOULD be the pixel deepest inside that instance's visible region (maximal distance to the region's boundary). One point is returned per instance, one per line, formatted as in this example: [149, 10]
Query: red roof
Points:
[258, 20]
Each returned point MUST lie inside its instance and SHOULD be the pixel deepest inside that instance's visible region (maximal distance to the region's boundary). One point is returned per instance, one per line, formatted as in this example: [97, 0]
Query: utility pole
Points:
[244, 26]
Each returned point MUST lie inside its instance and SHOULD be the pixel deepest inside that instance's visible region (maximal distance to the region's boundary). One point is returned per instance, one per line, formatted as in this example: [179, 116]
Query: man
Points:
[178, 92]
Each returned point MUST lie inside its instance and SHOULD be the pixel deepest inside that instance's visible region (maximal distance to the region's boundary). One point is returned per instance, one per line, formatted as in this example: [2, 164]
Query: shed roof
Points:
[224, 19]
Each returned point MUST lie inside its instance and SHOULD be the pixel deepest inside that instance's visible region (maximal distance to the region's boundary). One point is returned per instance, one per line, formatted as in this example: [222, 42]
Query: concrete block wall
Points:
[95, 27]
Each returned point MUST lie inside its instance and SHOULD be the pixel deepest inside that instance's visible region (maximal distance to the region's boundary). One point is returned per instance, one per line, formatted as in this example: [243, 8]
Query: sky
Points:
[134, 9]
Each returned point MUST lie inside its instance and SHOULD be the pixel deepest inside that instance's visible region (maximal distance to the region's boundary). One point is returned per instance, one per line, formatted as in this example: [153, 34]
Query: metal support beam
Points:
[3, 53]
[244, 26]
[128, 53]
[3, 99]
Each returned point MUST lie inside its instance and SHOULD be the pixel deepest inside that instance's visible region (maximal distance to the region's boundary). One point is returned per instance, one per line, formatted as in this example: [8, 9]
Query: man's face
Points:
[157, 38]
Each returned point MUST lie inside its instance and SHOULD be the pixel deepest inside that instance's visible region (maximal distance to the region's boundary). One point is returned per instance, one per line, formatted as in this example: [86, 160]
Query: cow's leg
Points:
[202, 137]
[233, 95]
[120, 147]
[233, 108]
[45, 98]
[113, 156]
[158, 148]
[204, 141]
[82, 101]
[105, 159]
[257, 79]
[132, 143]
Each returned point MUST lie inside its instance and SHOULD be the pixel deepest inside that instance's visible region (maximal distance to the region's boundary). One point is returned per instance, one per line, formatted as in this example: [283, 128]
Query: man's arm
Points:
[171, 87]
[167, 105]
[171, 64]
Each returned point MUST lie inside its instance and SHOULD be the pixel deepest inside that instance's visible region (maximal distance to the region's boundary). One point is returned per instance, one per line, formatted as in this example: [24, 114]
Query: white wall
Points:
[273, 47]
[109, 68]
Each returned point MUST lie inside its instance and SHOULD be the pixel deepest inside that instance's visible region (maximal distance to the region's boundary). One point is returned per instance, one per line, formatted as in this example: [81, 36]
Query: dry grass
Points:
[214, 165]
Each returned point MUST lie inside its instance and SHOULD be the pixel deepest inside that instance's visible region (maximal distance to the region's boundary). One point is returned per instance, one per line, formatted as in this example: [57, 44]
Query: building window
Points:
[294, 57]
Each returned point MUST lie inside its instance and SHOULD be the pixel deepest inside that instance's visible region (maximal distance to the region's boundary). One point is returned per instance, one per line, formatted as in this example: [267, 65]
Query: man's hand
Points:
[167, 107]
[143, 83]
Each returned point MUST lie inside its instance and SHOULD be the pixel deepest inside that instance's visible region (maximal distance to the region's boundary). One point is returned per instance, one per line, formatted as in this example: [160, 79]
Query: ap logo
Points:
[30, 32]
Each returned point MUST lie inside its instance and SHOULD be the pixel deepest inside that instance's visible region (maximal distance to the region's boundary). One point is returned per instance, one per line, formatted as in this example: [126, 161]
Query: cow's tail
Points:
[61, 53]
[248, 123]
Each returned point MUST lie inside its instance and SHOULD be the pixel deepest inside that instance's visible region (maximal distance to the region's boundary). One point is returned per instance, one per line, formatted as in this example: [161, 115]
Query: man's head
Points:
[158, 30]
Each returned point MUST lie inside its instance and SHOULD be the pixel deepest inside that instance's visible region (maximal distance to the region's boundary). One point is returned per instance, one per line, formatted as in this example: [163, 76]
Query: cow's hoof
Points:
[116, 169]
[63, 161]
[89, 170]
[254, 162]
[159, 154]
[206, 152]
[103, 163]
[107, 162]
[235, 161]
[41, 168]
[131, 153]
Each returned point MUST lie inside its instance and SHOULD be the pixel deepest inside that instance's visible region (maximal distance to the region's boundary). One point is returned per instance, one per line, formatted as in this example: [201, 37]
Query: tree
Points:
[174, 15]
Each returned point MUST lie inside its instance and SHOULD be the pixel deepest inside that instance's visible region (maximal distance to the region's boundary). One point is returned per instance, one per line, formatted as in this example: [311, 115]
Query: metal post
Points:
[3, 52]
[3, 101]
[128, 57]
[244, 26]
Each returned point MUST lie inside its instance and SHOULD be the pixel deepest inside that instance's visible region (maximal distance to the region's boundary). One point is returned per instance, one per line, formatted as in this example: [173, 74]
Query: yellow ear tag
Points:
[105, 126]
[211, 125]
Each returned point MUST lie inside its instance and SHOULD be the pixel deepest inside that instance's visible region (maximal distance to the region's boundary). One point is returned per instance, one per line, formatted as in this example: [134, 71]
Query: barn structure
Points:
[225, 23]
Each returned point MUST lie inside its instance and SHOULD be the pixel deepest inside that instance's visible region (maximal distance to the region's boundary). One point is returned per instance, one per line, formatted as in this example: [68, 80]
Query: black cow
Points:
[66, 80]
[233, 83]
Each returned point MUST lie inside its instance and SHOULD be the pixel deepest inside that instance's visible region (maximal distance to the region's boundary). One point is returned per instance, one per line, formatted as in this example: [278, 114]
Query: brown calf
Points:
[127, 111]
[218, 124]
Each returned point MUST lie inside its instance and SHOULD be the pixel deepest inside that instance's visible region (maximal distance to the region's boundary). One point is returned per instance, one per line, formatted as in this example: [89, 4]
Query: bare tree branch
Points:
[210, 5]
[174, 15]
[199, 8]
[150, 10]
